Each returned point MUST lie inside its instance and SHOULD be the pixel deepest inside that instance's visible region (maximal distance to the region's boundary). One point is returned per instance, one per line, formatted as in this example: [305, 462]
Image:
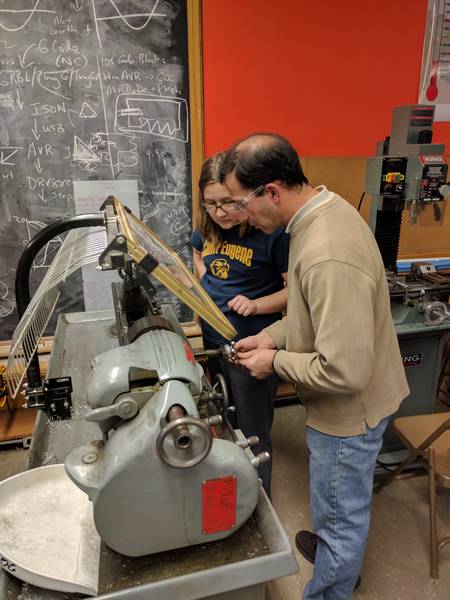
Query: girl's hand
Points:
[243, 306]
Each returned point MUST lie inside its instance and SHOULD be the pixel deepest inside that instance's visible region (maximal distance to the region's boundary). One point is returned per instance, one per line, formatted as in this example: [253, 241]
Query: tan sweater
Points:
[338, 342]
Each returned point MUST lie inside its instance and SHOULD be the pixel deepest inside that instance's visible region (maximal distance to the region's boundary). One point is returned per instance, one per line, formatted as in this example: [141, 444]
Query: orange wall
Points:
[325, 74]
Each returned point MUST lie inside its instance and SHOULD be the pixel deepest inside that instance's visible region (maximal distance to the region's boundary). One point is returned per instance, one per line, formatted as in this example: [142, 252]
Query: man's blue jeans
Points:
[341, 481]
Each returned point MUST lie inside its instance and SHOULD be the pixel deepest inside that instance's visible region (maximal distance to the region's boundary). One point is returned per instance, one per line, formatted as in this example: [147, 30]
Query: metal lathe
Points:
[127, 408]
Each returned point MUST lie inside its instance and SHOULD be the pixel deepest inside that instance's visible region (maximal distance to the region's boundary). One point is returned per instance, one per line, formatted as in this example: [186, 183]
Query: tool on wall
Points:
[409, 172]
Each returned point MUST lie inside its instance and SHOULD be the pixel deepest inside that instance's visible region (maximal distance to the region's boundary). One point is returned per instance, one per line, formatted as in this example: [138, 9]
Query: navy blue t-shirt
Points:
[250, 265]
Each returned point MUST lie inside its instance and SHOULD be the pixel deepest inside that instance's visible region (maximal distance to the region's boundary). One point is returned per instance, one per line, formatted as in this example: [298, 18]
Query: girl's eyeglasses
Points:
[212, 207]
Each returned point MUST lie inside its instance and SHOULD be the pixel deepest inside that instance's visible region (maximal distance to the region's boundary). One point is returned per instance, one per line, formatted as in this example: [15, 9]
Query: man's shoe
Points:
[306, 543]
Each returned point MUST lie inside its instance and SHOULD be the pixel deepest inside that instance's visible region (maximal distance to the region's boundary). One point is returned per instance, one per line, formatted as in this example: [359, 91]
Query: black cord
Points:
[383, 466]
[360, 201]
[391, 466]
[388, 464]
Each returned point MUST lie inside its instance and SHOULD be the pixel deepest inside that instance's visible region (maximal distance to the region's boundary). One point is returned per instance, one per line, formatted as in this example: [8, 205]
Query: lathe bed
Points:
[233, 568]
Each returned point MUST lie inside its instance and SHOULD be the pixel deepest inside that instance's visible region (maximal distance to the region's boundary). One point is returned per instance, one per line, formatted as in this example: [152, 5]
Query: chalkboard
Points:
[93, 90]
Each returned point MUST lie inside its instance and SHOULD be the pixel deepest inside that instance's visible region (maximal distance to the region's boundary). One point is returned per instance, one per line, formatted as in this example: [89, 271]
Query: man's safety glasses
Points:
[232, 205]
[241, 205]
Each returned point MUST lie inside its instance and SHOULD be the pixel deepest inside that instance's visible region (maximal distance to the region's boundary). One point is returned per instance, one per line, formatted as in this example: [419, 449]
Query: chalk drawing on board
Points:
[5, 45]
[162, 116]
[7, 154]
[18, 100]
[126, 159]
[22, 56]
[103, 149]
[55, 79]
[104, 104]
[141, 19]
[87, 112]
[178, 221]
[82, 152]
[6, 306]
[37, 165]
[167, 194]
[32, 227]
[27, 13]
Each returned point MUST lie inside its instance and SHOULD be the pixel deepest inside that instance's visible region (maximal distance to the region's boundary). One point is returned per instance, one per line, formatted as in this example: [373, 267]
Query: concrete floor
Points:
[397, 560]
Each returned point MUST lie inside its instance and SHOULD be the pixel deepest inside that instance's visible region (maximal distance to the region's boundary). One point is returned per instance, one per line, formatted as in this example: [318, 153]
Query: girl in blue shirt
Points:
[244, 271]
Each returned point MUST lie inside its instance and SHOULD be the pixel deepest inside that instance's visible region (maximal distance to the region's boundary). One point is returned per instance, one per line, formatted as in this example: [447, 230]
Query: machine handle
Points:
[187, 449]
[125, 408]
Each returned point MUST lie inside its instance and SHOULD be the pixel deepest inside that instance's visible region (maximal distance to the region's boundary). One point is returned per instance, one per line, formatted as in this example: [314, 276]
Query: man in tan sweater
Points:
[337, 344]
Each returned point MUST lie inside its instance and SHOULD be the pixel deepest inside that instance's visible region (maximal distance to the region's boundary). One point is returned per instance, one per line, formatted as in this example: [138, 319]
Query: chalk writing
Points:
[28, 16]
[6, 306]
[32, 227]
[127, 19]
[164, 117]
[7, 155]
[90, 90]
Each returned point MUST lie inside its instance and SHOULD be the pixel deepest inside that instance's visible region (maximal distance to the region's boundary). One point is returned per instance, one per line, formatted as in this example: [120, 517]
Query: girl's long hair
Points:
[209, 174]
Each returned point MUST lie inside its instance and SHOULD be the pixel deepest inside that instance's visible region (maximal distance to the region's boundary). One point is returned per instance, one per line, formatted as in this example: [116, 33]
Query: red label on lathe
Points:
[219, 504]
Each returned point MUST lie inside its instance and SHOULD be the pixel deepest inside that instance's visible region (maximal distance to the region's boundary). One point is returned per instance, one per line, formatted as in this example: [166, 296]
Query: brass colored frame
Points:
[199, 302]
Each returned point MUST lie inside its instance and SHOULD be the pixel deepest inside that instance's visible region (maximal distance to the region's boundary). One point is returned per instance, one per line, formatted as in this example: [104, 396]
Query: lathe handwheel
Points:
[221, 389]
[435, 313]
[188, 455]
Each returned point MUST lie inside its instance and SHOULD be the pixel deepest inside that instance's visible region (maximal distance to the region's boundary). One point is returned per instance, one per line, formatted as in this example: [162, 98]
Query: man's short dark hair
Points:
[262, 158]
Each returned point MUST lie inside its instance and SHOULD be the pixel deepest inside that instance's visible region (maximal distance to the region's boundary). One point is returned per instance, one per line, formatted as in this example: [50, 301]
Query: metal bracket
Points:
[114, 255]
[58, 397]
[54, 397]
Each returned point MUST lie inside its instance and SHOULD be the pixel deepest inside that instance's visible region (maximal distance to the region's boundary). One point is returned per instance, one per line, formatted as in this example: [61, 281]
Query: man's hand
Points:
[253, 342]
[243, 306]
[257, 362]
